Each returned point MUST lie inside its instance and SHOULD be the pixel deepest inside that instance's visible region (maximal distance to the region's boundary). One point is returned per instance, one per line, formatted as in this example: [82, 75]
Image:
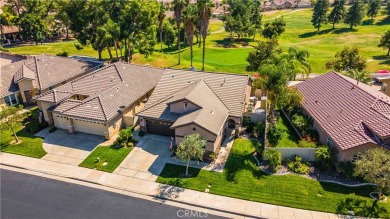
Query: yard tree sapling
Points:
[347, 59]
[385, 41]
[274, 157]
[191, 147]
[11, 119]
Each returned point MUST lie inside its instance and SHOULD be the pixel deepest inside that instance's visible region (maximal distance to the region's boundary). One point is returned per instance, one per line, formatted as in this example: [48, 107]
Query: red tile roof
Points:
[348, 111]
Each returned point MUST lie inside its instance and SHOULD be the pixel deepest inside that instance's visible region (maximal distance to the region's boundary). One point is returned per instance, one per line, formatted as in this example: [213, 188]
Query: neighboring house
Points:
[40, 73]
[351, 116]
[102, 101]
[187, 102]
[385, 87]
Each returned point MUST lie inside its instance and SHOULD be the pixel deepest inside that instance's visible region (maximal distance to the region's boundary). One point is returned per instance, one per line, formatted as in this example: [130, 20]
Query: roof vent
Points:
[173, 76]
[224, 80]
[212, 112]
[124, 67]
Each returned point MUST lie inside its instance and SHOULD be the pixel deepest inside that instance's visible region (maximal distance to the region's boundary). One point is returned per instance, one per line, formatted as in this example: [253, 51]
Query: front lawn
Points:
[243, 179]
[290, 138]
[110, 158]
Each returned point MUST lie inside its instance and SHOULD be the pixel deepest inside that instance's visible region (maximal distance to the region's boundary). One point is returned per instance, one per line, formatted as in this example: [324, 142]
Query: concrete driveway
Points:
[63, 147]
[147, 159]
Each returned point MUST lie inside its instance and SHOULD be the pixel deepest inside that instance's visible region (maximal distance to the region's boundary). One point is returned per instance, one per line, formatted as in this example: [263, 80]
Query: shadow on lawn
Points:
[237, 162]
[360, 207]
[384, 60]
[314, 33]
[385, 21]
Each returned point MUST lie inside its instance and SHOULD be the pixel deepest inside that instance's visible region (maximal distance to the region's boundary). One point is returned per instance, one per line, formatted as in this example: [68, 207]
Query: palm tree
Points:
[205, 8]
[360, 76]
[301, 57]
[189, 16]
[178, 7]
[161, 16]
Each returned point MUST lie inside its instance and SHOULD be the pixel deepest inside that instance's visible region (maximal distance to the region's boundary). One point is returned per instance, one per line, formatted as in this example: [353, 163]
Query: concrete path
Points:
[243, 208]
[63, 147]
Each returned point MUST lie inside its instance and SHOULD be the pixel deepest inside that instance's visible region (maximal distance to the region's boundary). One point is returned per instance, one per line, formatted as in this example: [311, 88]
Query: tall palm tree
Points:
[301, 57]
[189, 17]
[205, 8]
[178, 7]
[161, 16]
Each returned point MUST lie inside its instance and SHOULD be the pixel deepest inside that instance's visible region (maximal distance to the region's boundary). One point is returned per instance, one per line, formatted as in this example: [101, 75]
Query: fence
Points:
[306, 153]
[256, 117]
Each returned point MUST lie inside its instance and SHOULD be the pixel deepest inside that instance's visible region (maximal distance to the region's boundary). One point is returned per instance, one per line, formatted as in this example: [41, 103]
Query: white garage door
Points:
[62, 123]
[89, 127]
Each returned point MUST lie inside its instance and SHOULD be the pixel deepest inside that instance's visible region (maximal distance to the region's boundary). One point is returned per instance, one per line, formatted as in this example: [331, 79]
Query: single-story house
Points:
[100, 102]
[38, 74]
[350, 116]
[187, 102]
[385, 87]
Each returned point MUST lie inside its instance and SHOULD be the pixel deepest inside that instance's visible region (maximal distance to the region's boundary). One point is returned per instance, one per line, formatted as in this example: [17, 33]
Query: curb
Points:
[136, 192]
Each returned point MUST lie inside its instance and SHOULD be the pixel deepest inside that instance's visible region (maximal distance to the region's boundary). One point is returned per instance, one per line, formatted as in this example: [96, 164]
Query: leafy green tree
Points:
[60, 7]
[256, 18]
[338, 12]
[259, 129]
[189, 17]
[274, 134]
[161, 17]
[191, 147]
[34, 20]
[385, 42]
[299, 58]
[274, 157]
[205, 8]
[113, 36]
[320, 13]
[7, 18]
[374, 166]
[11, 118]
[262, 51]
[374, 7]
[178, 7]
[274, 29]
[347, 59]
[360, 76]
[388, 8]
[169, 34]
[355, 14]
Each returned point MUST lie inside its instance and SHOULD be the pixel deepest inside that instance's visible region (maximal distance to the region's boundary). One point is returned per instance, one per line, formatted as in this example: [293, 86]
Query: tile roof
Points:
[218, 95]
[107, 91]
[348, 111]
[7, 84]
[24, 73]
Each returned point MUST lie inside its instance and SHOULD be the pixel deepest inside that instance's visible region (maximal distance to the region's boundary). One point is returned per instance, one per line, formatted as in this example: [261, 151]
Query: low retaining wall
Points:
[256, 117]
[306, 153]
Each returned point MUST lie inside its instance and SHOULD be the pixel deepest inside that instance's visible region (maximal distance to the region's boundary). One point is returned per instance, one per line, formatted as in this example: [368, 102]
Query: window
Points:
[10, 100]
[329, 142]
[185, 105]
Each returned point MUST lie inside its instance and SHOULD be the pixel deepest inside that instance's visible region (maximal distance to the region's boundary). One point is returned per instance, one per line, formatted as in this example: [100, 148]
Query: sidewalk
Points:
[240, 208]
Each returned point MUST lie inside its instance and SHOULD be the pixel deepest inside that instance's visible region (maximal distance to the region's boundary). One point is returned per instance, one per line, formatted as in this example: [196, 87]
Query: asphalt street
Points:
[28, 196]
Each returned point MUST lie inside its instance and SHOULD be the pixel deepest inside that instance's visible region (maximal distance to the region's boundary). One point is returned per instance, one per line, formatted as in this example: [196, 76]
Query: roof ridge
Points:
[117, 71]
[217, 96]
[148, 66]
[37, 73]
[210, 72]
[100, 102]
[90, 73]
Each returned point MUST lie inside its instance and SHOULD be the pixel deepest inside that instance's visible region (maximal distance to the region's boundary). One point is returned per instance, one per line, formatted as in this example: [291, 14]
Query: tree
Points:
[60, 6]
[189, 17]
[319, 13]
[274, 157]
[374, 166]
[388, 8]
[11, 118]
[178, 7]
[262, 51]
[324, 157]
[338, 12]
[374, 7]
[360, 76]
[256, 18]
[7, 18]
[300, 61]
[385, 42]
[169, 34]
[113, 36]
[191, 147]
[349, 58]
[355, 14]
[205, 8]
[161, 17]
[259, 129]
[274, 29]
[274, 134]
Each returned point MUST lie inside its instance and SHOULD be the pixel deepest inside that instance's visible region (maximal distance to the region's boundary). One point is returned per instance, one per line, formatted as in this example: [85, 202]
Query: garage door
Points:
[159, 128]
[61, 122]
[88, 127]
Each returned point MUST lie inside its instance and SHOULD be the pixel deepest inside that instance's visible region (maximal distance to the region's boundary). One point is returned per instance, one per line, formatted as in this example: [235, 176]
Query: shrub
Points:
[259, 129]
[125, 136]
[63, 54]
[324, 158]
[347, 169]
[130, 144]
[52, 129]
[246, 121]
[307, 142]
[299, 121]
[141, 133]
[250, 127]
[274, 134]
[274, 157]
[259, 147]
[3, 49]
[297, 165]
[78, 46]
[212, 156]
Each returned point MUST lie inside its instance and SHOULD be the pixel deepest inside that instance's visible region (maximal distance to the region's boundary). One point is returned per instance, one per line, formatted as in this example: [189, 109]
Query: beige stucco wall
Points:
[248, 91]
[43, 105]
[178, 107]
[213, 141]
[387, 81]
[24, 85]
[347, 155]
[88, 126]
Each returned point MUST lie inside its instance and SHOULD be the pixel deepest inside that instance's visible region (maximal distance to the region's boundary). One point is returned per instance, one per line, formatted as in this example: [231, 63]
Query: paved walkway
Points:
[63, 147]
[243, 209]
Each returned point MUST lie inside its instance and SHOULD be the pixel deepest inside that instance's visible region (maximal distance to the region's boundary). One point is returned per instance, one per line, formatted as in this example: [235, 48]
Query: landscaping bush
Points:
[259, 130]
[299, 121]
[63, 54]
[52, 129]
[297, 165]
[141, 133]
[347, 169]
[3, 49]
[78, 46]
[250, 127]
[246, 121]
[324, 158]
[125, 136]
[259, 147]
[274, 157]
[307, 142]
[212, 156]
[274, 134]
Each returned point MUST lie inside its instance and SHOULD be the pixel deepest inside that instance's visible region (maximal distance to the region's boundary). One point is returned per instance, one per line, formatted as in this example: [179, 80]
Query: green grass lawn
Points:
[299, 33]
[113, 156]
[290, 138]
[243, 179]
